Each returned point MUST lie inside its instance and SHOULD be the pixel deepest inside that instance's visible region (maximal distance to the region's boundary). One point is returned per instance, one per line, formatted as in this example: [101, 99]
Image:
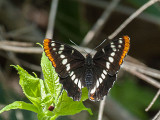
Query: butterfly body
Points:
[88, 71]
[98, 73]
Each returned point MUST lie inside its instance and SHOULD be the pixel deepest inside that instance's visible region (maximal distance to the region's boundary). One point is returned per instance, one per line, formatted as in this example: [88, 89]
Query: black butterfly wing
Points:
[107, 62]
[69, 64]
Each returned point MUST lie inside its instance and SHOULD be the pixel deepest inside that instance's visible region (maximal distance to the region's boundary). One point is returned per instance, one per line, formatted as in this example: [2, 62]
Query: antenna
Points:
[77, 45]
[98, 45]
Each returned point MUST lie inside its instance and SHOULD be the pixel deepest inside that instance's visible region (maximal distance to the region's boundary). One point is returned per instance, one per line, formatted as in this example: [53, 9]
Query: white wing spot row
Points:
[62, 47]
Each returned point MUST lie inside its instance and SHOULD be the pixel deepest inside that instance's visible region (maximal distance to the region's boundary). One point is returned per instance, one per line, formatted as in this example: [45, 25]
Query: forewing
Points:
[69, 64]
[111, 57]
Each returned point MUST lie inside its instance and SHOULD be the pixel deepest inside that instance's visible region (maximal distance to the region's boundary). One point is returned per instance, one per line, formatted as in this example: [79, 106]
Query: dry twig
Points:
[33, 50]
[157, 116]
[144, 69]
[153, 101]
[134, 15]
[101, 108]
[100, 23]
[142, 76]
[51, 21]
[15, 43]
[124, 10]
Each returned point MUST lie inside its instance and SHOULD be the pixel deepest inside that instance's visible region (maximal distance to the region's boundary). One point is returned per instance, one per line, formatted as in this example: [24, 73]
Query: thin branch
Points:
[31, 66]
[100, 22]
[33, 50]
[134, 15]
[144, 69]
[15, 43]
[153, 101]
[124, 10]
[23, 62]
[142, 76]
[119, 112]
[51, 21]
[9, 54]
[157, 116]
[20, 31]
[101, 108]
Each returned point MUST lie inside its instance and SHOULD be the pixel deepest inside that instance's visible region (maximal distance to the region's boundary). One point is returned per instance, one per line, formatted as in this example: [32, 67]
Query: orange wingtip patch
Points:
[91, 97]
[126, 48]
[46, 43]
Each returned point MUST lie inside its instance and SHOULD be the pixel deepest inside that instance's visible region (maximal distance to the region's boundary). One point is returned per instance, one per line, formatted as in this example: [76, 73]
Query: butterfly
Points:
[98, 73]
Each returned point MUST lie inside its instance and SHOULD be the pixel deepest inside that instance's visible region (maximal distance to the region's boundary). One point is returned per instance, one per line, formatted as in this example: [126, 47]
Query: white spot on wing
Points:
[93, 90]
[103, 76]
[100, 80]
[114, 49]
[54, 49]
[107, 65]
[103, 50]
[73, 77]
[59, 52]
[72, 51]
[71, 73]
[104, 71]
[53, 44]
[79, 84]
[111, 59]
[113, 54]
[68, 67]
[120, 40]
[62, 56]
[62, 47]
[76, 81]
[64, 61]
[97, 83]
[113, 46]
[119, 46]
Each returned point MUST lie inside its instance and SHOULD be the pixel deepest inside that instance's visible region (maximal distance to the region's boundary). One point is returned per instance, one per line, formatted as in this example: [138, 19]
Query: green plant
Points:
[45, 95]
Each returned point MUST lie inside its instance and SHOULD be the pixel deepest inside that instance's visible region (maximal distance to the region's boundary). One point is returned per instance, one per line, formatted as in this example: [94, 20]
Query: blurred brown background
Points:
[26, 21]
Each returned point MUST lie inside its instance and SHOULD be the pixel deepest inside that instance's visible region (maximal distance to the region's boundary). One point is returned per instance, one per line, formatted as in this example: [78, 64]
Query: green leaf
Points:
[45, 93]
[84, 94]
[31, 86]
[67, 106]
[64, 105]
[20, 105]
[45, 116]
[50, 77]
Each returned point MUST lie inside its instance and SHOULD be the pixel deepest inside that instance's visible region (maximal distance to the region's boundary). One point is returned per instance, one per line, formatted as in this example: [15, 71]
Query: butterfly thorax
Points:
[88, 70]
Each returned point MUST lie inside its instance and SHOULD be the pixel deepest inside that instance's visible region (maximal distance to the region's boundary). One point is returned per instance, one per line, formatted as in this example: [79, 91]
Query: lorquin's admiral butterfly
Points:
[97, 73]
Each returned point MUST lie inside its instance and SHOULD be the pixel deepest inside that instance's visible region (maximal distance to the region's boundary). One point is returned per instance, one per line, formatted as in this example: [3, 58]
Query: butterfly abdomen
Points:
[88, 78]
[88, 71]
